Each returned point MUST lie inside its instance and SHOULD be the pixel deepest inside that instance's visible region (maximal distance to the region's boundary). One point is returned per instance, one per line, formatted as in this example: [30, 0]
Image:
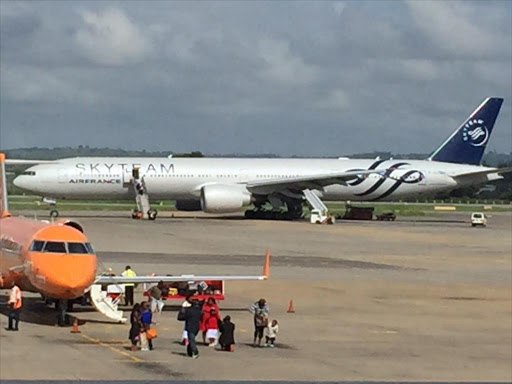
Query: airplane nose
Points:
[19, 182]
[62, 275]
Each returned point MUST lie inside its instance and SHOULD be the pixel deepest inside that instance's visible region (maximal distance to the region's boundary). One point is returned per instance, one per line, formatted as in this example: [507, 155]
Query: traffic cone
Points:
[290, 307]
[74, 329]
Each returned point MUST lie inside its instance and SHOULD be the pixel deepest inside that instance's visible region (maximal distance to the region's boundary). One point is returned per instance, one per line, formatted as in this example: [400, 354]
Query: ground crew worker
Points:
[128, 287]
[14, 308]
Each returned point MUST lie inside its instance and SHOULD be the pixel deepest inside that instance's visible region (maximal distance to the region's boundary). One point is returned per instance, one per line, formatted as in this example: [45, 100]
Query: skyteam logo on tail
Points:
[475, 133]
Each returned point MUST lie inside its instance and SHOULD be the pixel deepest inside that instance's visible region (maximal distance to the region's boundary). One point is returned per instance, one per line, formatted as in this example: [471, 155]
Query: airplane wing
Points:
[313, 181]
[28, 162]
[170, 279]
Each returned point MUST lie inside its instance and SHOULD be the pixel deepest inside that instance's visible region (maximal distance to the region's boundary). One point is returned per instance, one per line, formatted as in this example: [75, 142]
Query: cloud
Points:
[462, 28]
[337, 100]
[225, 77]
[31, 84]
[283, 66]
[109, 37]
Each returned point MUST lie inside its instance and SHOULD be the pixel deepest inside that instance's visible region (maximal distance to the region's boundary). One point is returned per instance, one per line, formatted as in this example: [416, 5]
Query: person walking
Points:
[260, 311]
[136, 326]
[14, 308]
[227, 334]
[186, 304]
[191, 316]
[156, 297]
[128, 287]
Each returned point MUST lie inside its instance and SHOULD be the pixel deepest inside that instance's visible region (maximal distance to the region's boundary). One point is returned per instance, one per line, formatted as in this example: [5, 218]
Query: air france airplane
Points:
[223, 185]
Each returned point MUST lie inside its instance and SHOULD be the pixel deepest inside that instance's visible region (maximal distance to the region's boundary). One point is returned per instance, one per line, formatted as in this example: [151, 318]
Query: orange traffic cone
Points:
[74, 329]
[290, 307]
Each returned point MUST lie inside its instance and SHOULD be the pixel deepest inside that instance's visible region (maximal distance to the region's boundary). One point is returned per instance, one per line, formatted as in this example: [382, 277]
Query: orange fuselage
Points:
[53, 259]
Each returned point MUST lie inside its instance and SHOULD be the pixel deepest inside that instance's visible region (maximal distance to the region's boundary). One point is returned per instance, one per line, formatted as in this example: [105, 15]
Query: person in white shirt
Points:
[272, 330]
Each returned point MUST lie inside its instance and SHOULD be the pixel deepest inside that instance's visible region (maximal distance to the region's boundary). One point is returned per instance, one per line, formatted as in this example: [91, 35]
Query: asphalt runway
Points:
[419, 299]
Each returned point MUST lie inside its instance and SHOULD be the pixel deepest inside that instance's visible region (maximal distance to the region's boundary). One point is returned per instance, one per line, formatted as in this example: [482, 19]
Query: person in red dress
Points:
[208, 305]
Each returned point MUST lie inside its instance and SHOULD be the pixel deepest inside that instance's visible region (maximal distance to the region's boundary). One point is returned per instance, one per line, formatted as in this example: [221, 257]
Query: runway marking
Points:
[121, 352]
[386, 331]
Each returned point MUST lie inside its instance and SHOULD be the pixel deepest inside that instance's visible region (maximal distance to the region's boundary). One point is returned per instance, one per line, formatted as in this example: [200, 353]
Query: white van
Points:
[478, 218]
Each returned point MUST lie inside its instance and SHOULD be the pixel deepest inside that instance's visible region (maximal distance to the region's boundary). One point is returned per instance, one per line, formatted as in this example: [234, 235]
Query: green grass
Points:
[401, 209]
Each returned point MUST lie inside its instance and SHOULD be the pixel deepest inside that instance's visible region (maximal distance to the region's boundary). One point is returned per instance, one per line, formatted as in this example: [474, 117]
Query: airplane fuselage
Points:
[183, 178]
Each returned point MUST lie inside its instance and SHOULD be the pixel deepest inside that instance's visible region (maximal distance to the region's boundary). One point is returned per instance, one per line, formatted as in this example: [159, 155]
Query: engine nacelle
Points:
[188, 205]
[217, 198]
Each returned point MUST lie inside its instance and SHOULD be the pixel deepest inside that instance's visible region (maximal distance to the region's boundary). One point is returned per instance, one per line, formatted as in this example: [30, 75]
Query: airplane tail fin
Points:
[467, 144]
[4, 206]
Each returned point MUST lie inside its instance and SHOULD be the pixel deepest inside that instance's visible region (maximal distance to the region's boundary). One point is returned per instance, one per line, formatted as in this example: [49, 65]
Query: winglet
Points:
[4, 205]
[266, 265]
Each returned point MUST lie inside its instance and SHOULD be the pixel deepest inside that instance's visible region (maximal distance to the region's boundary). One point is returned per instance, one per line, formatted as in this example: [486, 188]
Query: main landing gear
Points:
[53, 206]
[152, 214]
[293, 212]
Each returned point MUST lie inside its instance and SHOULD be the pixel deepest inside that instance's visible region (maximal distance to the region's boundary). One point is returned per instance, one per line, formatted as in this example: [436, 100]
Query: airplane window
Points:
[36, 246]
[55, 247]
[89, 247]
[29, 173]
[77, 248]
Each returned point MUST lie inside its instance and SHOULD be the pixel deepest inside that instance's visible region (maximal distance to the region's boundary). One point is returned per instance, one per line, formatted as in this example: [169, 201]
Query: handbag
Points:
[182, 314]
[151, 333]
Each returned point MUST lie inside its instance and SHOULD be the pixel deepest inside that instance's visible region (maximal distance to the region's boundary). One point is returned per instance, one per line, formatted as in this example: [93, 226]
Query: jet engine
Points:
[188, 205]
[217, 198]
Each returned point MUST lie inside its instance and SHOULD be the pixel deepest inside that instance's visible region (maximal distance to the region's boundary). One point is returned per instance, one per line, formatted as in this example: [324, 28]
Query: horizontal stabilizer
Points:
[195, 278]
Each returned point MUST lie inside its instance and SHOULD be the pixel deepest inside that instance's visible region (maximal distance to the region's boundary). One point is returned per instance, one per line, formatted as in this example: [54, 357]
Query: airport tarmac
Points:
[417, 299]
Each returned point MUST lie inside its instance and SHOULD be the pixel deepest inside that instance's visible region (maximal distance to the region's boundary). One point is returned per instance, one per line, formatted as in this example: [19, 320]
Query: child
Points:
[227, 335]
[272, 330]
[145, 317]
[212, 327]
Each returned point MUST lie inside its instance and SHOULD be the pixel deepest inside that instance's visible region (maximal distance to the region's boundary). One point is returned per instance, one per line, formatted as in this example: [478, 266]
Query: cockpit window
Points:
[54, 247]
[29, 173]
[36, 246]
[77, 248]
[89, 247]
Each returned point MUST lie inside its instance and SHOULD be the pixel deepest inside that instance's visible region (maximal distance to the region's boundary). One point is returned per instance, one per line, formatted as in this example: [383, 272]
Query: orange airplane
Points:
[54, 259]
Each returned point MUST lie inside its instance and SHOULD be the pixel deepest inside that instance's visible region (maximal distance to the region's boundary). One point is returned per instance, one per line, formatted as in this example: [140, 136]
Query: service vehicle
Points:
[478, 218]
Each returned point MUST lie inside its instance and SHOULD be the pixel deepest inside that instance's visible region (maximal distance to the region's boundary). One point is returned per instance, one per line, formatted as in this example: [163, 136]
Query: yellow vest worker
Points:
[128, 287]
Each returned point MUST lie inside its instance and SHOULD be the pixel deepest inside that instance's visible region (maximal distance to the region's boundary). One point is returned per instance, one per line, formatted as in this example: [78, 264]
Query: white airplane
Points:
[223, 185]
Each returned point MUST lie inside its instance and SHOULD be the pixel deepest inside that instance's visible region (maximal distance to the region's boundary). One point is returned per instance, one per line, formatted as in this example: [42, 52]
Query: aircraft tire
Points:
[54, 213]
[152, 213]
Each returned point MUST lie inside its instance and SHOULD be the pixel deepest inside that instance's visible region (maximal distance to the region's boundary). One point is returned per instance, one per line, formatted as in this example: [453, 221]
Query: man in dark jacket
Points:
[192, 317]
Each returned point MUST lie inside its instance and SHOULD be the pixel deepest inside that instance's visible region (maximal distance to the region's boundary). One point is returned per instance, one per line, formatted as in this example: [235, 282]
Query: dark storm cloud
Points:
[303, 78]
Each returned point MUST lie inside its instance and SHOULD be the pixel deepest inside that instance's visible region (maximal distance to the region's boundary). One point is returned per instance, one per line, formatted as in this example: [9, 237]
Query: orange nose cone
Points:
[63, 276]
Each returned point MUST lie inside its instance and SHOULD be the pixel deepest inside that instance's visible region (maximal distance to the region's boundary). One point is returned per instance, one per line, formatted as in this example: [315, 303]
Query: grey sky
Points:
[293, 78]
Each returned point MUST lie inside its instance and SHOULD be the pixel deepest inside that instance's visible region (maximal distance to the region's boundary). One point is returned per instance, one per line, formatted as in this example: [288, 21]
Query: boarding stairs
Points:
[105, 305]
[314, 201]
[319, 212]
[141, 195]
[142, 198]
